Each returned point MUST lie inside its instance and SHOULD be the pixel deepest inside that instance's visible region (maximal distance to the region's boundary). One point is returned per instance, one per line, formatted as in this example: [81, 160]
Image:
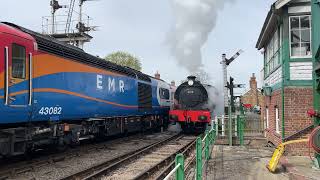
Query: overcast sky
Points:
[141, 26]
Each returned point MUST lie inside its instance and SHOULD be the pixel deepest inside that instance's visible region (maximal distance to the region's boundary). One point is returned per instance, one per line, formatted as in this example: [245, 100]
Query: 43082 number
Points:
[50, 110]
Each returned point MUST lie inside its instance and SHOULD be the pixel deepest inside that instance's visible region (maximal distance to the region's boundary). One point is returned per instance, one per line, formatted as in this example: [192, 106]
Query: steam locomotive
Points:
[193, 109]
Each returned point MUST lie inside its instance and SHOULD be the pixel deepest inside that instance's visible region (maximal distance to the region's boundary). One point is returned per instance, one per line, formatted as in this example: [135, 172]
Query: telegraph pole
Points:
[225, 63]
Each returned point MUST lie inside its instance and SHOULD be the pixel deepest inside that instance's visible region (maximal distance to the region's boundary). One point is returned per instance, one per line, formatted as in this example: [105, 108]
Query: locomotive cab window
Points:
[18, 61]
[164, 93]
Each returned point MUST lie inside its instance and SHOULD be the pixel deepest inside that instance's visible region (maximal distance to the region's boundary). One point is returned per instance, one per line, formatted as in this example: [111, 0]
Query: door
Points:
[18, 78]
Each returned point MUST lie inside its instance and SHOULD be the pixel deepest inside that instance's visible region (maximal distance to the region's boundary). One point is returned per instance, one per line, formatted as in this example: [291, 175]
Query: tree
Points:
[124, 59]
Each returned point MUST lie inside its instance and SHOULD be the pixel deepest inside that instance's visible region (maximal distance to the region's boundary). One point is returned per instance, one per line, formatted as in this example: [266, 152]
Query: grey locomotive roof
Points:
[53, 46]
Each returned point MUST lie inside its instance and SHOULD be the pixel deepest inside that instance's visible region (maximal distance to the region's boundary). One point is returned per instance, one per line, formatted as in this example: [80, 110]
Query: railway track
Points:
[27, 169]
[144, 163]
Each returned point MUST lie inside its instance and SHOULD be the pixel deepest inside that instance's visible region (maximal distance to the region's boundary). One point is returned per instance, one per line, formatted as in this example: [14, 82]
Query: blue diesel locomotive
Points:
[54, 93]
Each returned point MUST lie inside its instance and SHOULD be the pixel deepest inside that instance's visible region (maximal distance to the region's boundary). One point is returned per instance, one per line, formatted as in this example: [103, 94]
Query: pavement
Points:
[299, 167]
[249, 163]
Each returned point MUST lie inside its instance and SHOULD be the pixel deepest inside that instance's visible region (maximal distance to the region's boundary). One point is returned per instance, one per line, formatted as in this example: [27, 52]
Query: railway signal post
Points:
[230, 85]
[225, 63]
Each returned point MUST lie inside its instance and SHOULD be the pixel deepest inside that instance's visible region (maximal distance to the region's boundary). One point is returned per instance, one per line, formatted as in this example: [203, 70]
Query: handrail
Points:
[7, 76]
[299, 132]
[30, 79]
[208, 141]
[205, 137]
[172, 171]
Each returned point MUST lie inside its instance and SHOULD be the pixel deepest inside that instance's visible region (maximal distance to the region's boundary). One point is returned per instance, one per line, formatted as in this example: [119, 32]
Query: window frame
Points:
[162, 90]
[272, 56]
[300, 42]
[267, 117]
[277, 118]
[25, 61]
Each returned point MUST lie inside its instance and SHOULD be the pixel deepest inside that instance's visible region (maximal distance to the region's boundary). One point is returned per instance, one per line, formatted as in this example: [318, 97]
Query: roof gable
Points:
[271, 20]
[280, 3]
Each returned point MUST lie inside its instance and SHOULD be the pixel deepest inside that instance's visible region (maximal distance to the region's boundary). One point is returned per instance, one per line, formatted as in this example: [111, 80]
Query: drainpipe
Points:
[282, 99]
[284, 54]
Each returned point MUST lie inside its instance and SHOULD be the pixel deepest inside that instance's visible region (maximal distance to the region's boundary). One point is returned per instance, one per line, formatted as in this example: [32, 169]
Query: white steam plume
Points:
[194, 20]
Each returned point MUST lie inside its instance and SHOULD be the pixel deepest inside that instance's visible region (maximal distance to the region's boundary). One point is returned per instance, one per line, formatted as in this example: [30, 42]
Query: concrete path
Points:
[300, 167]
[241, 163]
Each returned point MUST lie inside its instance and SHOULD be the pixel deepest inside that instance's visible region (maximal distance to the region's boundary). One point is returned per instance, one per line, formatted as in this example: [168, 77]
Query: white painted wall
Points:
[274, 78]
[299, 9]
[300, 70]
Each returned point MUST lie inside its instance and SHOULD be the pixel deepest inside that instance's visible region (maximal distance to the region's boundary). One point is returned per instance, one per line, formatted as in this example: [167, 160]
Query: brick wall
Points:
[271, 103]
[253, 97]
[297, 101]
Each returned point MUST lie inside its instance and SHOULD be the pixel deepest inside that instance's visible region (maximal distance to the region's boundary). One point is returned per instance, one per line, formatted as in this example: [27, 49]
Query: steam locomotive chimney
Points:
[173, 83]
[157, 75]
[192, 78]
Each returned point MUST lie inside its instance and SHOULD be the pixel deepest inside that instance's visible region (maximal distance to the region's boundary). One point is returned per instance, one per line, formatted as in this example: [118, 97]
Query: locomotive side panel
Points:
[15, 87]
[70, 90]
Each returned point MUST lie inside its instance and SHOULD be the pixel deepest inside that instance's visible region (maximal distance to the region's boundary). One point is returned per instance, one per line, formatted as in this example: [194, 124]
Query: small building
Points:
[285, 41]
[253, 97]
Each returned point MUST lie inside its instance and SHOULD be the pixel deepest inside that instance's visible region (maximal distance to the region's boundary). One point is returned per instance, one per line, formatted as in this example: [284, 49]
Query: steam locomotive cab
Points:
[192, 111]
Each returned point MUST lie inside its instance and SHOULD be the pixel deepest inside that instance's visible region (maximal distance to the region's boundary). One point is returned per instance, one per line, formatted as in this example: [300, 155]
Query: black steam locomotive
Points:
[193, 110]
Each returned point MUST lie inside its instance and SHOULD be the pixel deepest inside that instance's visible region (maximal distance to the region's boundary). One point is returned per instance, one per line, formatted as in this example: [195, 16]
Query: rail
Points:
[171, 158]
[202, 146]
[100, 169]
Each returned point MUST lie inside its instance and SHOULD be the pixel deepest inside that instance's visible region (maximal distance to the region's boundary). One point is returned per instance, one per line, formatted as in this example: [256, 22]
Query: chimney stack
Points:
[253, 82]
[157, 75]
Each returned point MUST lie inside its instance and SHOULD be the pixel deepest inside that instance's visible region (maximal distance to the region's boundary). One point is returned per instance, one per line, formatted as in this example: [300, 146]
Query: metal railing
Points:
[179, 168]
[203, 153]
[62, 25]
[240, 127]
[221, 125]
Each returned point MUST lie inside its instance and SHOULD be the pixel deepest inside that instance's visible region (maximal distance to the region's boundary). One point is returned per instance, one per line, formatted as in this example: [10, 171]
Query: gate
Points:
[247, 124]
[253, 124]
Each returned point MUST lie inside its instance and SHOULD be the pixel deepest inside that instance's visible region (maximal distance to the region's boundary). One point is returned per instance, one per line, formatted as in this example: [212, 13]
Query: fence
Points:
[223, 130]
[203, 153]
[253, 124]
[221, 127]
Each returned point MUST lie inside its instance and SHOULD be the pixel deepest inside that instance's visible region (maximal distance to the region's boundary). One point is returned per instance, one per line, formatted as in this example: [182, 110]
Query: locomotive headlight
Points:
[190, 82]
[202, 118]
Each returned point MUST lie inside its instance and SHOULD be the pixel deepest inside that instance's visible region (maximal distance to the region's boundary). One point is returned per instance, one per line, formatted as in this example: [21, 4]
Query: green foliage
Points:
[124, 59]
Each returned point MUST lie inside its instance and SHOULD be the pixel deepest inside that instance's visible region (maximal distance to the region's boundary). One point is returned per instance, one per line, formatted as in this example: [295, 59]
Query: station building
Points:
[285, 41]
[253, 96]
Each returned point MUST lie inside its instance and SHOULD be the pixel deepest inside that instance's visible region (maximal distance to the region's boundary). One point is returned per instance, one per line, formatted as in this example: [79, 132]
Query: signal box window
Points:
[164, 93]
[18, 61]
[300, 36]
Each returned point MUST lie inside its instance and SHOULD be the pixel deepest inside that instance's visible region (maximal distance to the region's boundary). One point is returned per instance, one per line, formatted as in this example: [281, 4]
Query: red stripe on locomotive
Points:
[200, 116]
